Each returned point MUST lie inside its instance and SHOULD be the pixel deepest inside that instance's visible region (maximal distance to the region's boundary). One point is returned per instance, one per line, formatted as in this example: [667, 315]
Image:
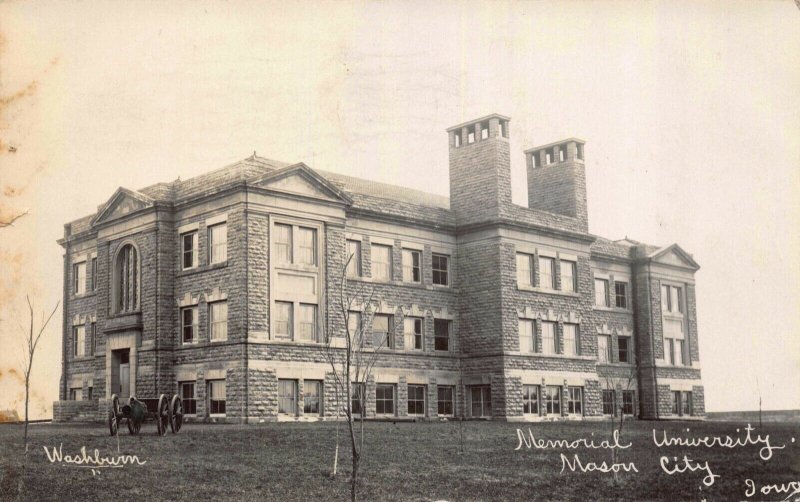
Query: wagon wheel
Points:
[176, 414]
[134, 426]
[113, 413]
[162, 415]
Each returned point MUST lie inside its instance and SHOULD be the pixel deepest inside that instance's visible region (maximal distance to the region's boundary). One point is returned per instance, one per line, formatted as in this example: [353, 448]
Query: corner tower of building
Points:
[557, 179]
[480, 169]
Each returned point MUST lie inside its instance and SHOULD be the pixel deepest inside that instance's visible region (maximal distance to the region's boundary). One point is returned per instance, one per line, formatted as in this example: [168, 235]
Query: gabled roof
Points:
[133, 202]
[663, 256]
[303, 171]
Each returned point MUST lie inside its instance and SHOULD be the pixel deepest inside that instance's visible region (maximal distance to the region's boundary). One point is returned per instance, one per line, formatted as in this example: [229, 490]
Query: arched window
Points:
[126, 280]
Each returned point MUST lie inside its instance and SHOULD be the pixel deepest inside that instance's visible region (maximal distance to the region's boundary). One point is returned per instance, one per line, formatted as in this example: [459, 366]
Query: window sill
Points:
[197, 270]
[545, 291]
[612, 309]
[553, 356]
[82, 358]
[616, 364]
[413, 285]
[85, 294]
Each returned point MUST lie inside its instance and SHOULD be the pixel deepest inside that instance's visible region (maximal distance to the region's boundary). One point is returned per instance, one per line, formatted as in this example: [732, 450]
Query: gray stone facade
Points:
[183, 287]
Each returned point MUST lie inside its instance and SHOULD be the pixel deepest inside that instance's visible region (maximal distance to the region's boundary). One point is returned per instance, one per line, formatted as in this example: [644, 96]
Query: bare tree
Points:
[31, 342]
[352, 359]
[623, 383]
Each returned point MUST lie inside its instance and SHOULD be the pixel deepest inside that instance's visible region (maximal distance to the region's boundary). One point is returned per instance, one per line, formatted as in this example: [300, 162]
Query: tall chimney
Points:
[480, 169]
[557, 179]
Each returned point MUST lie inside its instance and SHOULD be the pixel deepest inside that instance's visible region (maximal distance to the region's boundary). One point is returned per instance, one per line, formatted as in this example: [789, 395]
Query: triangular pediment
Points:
[299, 179]
[675, 256]
[123, 202]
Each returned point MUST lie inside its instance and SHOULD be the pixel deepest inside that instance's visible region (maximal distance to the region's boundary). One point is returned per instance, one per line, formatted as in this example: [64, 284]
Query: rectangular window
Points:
[676, 299]
[307, 323]
[218, 243]
[552, 400]
[575, 400]
[94, 274]
[627, 402]
[357, 402]
[354, 325]
[283, 243]
[283, 320]
[76, 394]
[676, 402]
[623, 349]
[526, 343]
[524, 270]
[306, 246]
[382, 331]
[530, 399]
[547, 277]
[93, 341]
[548, 337]
[416, 400]
[354, 255]
[480, 401]
[188, 398]
[218, 318]
[381, 262]
[603, 348]
[90, 394]
[608, 402]
[601, 292]
[216, 397]
[569, 276]
[444, 405]
[189, 250]
[412, 332]
[287, 397]
[189, 325]
[441, 334]
[621, 294]
[679, 359]
[441, 269]
[79, 278]
[671, 299]
[411, 266]
[686, 403]
[669, 350]
[571, 339]
[79, 340]
[312, 397]
[384, 399]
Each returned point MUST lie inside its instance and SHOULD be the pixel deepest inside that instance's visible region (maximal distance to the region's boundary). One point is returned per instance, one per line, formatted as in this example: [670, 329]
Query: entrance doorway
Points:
[121, 373]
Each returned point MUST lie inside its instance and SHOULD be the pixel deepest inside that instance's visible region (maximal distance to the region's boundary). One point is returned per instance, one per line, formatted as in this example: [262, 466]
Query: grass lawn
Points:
[404, 461]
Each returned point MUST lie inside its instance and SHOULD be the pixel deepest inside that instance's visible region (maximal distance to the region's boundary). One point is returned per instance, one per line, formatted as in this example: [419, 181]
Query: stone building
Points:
[221, 288]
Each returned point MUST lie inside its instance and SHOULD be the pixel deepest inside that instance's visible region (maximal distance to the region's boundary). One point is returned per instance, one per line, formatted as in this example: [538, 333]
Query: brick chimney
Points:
[480, 169]
[557, 179]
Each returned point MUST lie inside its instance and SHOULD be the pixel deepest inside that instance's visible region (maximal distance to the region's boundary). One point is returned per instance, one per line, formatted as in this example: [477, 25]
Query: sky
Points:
[689, 110]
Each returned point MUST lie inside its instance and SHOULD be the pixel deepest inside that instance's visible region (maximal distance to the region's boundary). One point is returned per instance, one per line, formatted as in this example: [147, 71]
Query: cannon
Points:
[161, 410]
